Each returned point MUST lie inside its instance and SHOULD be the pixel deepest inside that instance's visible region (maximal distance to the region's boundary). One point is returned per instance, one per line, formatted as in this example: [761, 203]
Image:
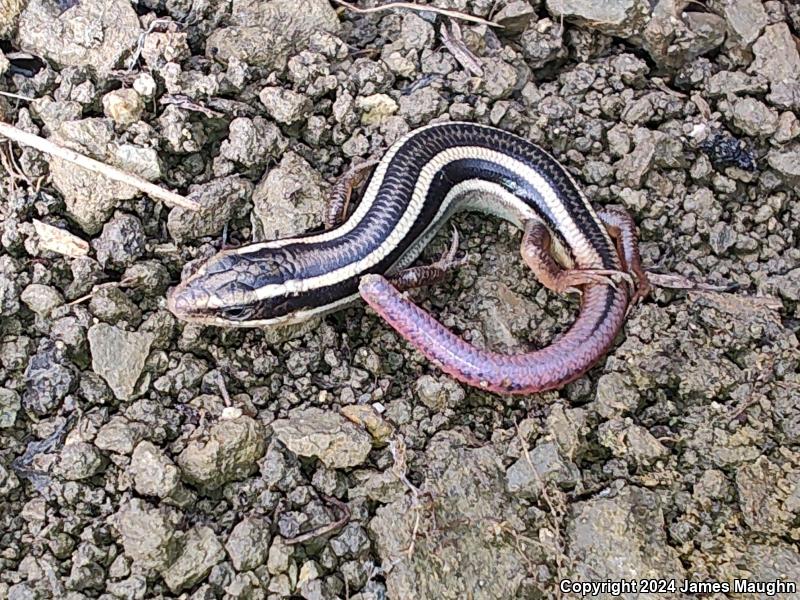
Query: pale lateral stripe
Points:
[361, 210]
[549, 196]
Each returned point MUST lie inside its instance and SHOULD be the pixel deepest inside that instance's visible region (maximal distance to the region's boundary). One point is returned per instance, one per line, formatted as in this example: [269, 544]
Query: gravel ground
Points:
[144, 458]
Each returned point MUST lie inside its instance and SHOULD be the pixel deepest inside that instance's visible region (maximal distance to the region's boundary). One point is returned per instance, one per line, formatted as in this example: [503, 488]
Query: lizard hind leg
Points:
[423, 275]
[537, 253]
[622, 229]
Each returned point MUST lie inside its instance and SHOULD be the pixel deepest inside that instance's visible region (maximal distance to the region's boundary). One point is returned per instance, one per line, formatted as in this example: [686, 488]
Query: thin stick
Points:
[17, 96]
[322, 530]
[48, 147]
[454, 14]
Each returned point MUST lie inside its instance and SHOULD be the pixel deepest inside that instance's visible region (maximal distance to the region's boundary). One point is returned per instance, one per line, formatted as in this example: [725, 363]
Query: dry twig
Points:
[453, 14]
[48, 147]
[319, 531]
[454, 42]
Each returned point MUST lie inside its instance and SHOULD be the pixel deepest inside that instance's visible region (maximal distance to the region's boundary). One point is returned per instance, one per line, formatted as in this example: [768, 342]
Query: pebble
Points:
[9, 286]
[776, 55]
[376, 108]
[623, 18]
[112, 305]
[252, 142]
[200, 551]
[786, 161]
[95, 33]
[325, 435]
[745, 19]
[219, 200]
[229, 452]
[80, 460]
[290, 199]
[120, 435]
[469, 485]
[119, 356]
[264, 33]
[248, 543]
[48, 379]
[550, 467]
[153, 473]
[123, 106]
[41, 299]
[90, 198]
[9, 407]
[148, 536]
[121, 242]
[285, 106]
[754, 118]
[622, 534]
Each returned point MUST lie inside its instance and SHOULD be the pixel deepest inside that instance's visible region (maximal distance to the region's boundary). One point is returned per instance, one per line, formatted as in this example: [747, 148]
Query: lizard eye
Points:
[238, 313]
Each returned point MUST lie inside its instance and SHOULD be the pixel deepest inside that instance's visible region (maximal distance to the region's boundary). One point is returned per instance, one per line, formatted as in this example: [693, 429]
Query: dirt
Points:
[142, 457]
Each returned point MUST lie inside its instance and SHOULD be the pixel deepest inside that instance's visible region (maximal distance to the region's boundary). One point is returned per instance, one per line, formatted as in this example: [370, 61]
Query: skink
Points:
[422, 180]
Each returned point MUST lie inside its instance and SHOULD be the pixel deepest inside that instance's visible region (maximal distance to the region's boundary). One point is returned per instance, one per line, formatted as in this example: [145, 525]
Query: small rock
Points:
[788, 127]
[93, 33]
[514, 16]
[638, 443]
[264, 33]
[623, 18]
[376, 108]
[48, 379]
[119, 357]
[326, 435]
[252, 142]
[549, 466]
[776, 55]
[721, 238]
[145, 85]
[153, 473]
[543, 43]
[285, 106]
[112, 305]
[279, 555]
[785, 94]
[786, 161]
[420, 106]
[219, 201]
[41, 299]
[291, 199]
[230, 452]
[439, 394]
[90, 198]
[9, 407]
[366, 416]
[120, 435]
[123, 106]
[9, 286]
[745, 19]
[148, 536]
[734, 82]
[469, 486]
[352, 542]
[762, 497]
[622, 536]
[632, 168]
[248, 543]
[80, 460]
[201, 550]
[615, 395]
[754, 118]
[121, 243]
[162, 47]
